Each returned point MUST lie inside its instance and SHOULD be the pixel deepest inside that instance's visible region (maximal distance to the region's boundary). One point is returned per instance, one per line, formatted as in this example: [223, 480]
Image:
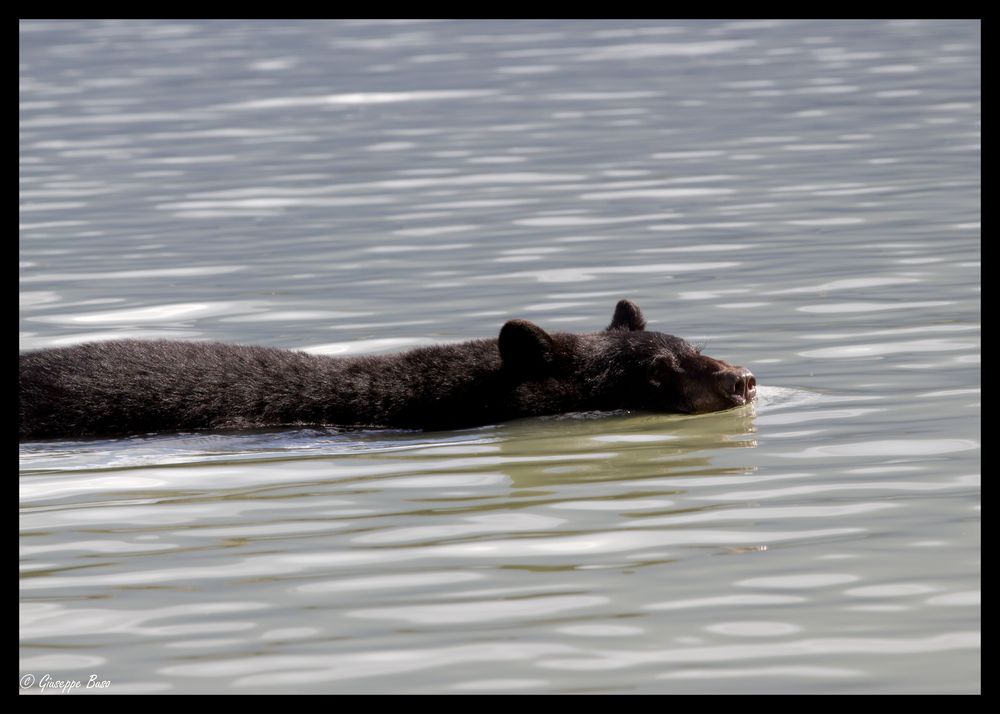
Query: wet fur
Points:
[140, 386]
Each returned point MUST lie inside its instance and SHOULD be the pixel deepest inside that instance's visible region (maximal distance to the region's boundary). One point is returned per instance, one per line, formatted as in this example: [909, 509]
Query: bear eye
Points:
[665, 365]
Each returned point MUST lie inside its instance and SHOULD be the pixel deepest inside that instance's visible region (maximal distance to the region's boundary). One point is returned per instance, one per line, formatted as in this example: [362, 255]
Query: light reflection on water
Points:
[801, 198]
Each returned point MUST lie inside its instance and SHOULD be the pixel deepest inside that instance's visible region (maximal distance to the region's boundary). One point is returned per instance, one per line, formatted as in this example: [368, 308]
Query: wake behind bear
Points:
[140, 386]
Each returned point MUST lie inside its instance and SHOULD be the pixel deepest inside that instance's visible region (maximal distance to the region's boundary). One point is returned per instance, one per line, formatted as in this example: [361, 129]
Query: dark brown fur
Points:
[134, 386]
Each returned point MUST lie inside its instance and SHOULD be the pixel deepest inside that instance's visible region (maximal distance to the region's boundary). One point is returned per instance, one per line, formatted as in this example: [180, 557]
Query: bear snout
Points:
[740, 385]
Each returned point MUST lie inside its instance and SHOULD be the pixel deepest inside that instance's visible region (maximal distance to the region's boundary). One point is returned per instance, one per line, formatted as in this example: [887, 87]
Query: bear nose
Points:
[745, 384]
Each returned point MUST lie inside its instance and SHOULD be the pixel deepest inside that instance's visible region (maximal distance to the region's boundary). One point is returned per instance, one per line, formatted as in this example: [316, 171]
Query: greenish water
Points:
[802, 197]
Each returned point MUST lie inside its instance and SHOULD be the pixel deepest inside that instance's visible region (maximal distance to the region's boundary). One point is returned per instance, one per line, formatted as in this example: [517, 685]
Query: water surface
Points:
[802, 198]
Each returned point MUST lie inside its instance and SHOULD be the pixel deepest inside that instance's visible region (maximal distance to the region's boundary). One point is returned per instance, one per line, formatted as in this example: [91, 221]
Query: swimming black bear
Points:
[140, 386]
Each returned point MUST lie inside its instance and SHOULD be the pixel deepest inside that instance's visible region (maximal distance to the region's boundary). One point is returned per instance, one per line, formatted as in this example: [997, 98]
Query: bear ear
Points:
[525, 347]
[628, 317]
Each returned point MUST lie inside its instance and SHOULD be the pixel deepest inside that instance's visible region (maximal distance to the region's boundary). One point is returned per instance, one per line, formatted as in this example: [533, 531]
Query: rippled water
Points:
[802, 197]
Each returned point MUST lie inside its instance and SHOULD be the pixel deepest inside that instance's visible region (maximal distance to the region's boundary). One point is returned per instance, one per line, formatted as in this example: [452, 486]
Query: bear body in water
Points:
[140, 386]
